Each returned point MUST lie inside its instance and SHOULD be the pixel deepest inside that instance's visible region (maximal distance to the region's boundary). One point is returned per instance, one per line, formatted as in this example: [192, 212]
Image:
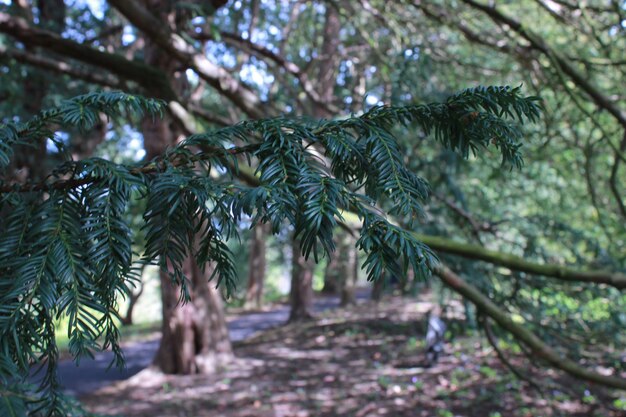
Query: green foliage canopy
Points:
[65, 246]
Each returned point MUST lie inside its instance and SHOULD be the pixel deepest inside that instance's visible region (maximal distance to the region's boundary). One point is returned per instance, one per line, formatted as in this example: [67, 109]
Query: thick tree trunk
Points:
[195, 337]
[301, 294]
[256, 271]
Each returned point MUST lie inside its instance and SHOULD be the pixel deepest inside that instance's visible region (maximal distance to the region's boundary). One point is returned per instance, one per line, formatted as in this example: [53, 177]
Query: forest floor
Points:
[364, 361]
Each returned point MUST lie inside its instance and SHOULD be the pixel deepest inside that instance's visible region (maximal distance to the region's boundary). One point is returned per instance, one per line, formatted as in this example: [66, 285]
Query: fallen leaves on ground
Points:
[364, 361]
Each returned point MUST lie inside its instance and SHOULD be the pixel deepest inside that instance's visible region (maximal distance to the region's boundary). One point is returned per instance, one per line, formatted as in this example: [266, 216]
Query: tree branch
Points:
[148, 77]
[539, 348]
[563, 273]
[613, 178]
[157, 165]
[494, 344]
[214, 75]
[539, 44]
[444, 18]
[265, 53]
[476, 225]
[60, 67]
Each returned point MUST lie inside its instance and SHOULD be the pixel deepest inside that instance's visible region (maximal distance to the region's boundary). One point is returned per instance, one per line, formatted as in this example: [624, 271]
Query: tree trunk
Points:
[349, 270]
[341, 270]
[378, 288]
[332, 274]
[409, 284]
[256, 271]
[301, 294]
[195, 336]
[127, 319]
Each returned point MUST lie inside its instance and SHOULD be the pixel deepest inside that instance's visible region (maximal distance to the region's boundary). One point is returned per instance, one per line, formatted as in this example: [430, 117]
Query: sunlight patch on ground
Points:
[364, 361]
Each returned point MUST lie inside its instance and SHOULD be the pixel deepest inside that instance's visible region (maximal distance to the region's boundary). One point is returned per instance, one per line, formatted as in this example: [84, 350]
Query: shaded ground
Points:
[92, 374]
[362, 362]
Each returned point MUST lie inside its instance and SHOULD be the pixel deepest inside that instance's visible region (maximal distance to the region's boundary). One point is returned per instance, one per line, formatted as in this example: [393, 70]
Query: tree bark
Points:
[350, 271]
[332, 274]
[342, 268]
[301, 294]
[194, 335]
[256, 270]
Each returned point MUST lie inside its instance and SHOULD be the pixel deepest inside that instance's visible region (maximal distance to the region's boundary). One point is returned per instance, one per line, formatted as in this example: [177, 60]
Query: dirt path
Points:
[92, 374]
[363, 361]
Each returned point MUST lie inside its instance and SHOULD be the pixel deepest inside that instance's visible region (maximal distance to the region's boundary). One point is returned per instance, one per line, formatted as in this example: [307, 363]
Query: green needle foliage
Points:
[65, 243]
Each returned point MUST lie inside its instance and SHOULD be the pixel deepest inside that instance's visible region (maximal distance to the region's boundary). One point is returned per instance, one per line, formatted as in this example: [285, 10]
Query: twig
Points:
[494, 343]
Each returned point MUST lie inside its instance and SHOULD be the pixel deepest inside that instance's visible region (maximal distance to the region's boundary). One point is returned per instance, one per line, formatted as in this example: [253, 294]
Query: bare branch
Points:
[494, 344]
[61, 67]
[613, 178]
[563, 273]
[477, 226]
[521, 333]
[149, 77]
[264, 53]
[214, 75]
